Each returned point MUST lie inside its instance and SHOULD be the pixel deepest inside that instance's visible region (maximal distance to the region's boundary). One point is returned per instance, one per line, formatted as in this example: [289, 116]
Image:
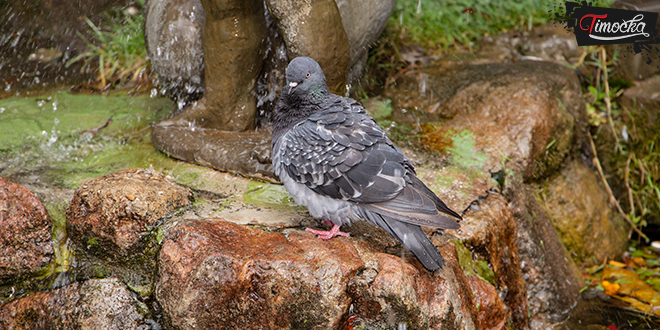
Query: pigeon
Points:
[334, 159]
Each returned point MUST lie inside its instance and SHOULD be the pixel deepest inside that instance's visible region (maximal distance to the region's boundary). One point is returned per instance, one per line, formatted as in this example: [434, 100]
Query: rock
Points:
[643, 104]
[579, 208]
[490, 229]
[526, 116]
[491, 311]
[25, 237]
[550, 42]
[511, 240]
[173, 38]
[552, 279]
[111, 214]
[94, 304]
[215, 274]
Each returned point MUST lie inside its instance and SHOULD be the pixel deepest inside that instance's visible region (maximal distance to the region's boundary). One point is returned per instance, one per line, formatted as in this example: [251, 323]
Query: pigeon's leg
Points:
[323, 234]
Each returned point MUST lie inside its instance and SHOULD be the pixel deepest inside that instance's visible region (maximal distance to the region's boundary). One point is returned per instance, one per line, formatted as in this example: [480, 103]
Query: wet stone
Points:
[214, 274]
[579, 208]
[491, 311]
[525, 116]
[490, 230]
[363, 21]
[25, 232]
[112, 214]
[552, 279]
[179, 65]
[93, 304]
[643, 104]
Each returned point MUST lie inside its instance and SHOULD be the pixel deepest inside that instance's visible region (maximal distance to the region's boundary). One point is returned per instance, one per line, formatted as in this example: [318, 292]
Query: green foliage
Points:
[118, 47]
[633, 154]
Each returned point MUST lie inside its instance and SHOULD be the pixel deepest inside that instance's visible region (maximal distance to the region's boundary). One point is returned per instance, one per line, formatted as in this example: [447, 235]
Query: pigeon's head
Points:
[305, 79]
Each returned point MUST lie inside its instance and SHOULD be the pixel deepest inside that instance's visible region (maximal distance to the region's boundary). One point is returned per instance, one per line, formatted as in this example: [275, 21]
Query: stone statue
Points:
[223, 63]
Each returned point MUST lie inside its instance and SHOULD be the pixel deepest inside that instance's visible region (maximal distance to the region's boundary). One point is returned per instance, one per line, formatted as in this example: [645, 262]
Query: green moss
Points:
[190, 178]
[476, 265]
[92, 242]
[59, 135]
[268, 194]
[61, 251]
[463, 151]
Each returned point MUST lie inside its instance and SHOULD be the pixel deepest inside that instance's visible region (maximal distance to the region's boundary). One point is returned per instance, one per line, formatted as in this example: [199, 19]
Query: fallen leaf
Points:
[610, 288]
[616, 264]
[639, 261]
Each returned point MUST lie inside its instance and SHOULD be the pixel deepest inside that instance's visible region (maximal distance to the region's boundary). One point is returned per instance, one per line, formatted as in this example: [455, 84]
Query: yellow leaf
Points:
[616, 264]
[639, 261]
[610, 288]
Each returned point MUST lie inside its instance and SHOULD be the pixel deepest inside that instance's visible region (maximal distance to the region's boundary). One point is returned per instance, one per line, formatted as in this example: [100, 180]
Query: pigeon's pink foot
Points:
[328, 234]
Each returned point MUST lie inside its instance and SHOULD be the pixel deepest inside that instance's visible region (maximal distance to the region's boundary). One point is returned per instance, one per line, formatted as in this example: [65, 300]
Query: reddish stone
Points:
[219, 275]
[25, 237]
[115, 210]
[491, 230]
[395, 291]
[491, 312]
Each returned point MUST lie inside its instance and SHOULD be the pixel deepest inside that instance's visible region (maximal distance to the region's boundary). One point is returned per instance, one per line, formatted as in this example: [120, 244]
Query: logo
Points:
[606, 26]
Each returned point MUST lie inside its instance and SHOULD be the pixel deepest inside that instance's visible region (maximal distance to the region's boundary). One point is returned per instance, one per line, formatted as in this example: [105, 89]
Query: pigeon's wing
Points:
[341, 153]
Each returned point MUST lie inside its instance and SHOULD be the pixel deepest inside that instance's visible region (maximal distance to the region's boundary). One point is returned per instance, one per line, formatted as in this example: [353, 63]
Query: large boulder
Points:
[525, 116]
[25, 237]
[488, 131]
[214, 274]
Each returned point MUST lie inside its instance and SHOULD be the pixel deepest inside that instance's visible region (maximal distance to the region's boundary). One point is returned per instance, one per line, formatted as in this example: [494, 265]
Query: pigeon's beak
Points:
[292, 86]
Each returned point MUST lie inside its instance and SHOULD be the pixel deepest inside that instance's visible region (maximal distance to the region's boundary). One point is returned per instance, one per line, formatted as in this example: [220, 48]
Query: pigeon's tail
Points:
[412, 237]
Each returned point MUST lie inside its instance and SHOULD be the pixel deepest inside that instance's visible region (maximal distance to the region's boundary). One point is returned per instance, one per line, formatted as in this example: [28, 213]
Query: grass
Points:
[117, 50]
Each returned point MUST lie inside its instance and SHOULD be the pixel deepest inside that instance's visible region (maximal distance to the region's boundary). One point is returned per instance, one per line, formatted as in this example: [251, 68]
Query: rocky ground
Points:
[99, 230]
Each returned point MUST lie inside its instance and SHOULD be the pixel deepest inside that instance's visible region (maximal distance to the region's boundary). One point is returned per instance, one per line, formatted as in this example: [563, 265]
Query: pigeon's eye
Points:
[307, 76]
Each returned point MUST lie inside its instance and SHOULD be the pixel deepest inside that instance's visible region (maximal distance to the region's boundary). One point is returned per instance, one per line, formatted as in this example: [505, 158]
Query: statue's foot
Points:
[184, 136]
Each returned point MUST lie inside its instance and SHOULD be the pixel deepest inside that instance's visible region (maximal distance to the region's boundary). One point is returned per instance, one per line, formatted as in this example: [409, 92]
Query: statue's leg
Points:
[314, 29]
[217, 130]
